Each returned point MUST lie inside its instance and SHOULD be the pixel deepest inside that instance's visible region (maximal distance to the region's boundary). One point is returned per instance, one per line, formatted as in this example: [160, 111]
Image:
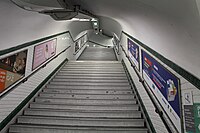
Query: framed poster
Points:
[165, 87]
[12, 69]
[133, 52]
[43, 52]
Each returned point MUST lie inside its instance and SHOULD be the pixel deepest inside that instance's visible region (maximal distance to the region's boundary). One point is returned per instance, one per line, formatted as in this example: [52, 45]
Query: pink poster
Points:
[43, 52]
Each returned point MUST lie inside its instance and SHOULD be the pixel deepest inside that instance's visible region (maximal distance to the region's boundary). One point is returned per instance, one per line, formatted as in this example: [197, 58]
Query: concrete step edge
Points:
[77, 128]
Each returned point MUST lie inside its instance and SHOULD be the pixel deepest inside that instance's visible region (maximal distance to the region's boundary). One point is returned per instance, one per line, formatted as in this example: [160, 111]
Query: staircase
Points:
[84, 97]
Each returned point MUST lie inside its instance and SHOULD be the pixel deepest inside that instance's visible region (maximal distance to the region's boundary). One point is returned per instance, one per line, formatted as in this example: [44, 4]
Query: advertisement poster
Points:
[165, 86]
[12, 69]
[43, 52]
[133, 52]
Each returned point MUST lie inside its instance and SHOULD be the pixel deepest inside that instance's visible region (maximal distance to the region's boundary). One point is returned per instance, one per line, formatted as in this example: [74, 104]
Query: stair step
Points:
[91, 71]
[85, 101]
[82, 113]
[76, 106]
[95, 62]
[86, 96]
[86, 87]
[89, 83]
[91, 80]
[93, 74]
[92, 68]
[111, 68]
[76, 67]
[88, 91]
[92, 122]
[30, 128]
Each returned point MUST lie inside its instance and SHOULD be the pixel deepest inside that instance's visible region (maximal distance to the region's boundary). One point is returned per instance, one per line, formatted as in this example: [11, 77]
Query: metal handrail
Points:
[26, 78]
[139, 99]
[157, 108]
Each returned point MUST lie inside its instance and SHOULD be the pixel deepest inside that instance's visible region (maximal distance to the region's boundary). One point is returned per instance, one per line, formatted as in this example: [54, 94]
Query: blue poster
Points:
[165, 87]
[133, 52]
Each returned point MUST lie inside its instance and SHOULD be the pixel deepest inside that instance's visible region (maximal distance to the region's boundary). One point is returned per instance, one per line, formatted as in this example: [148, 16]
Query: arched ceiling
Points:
[171, 27]
[184, 12]
[175, 8]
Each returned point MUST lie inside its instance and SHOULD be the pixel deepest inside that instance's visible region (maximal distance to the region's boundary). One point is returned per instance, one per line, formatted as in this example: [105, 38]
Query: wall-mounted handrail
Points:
[79, 37]
[82, 45]
[25, 45]
[80, 48]
[23, 103]
[28, 98]
[30, 75]
[178, 69]
[158, 110]
[116, 51]
[139, 99]
[18, 47]
[97, 43]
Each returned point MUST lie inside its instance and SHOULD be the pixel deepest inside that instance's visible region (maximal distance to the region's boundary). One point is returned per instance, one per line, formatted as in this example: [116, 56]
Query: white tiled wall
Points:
[12, 99]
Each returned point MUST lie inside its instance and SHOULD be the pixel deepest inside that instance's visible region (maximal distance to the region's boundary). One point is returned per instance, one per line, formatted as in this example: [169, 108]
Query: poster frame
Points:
[8, 88]
[179, 91]
[139, 54]
[48, 58]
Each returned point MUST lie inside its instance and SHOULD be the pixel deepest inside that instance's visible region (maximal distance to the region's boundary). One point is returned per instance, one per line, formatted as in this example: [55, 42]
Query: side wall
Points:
[15, 97]
[19, 27]
[185, 86]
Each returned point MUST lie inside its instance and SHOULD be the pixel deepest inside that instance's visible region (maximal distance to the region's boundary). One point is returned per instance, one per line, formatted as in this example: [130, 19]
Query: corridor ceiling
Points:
[184, 12]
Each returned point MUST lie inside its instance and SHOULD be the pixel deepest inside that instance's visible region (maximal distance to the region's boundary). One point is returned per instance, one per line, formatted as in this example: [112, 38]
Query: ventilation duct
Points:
[61, 14]
[66, 4]
[37, 5]
[57, 9]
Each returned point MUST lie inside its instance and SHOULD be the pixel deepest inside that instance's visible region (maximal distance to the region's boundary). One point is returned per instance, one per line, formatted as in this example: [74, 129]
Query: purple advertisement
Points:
[43, 52]
[133, 52]
[165, 86]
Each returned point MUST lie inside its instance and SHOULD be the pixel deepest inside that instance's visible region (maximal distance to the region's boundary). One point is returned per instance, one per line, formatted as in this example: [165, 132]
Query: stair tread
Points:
[76, 128]
[88, 87]
[83, 114]
[88, 92]
[112, 105]
[84, 97]
[71, 93]
[83, 119]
